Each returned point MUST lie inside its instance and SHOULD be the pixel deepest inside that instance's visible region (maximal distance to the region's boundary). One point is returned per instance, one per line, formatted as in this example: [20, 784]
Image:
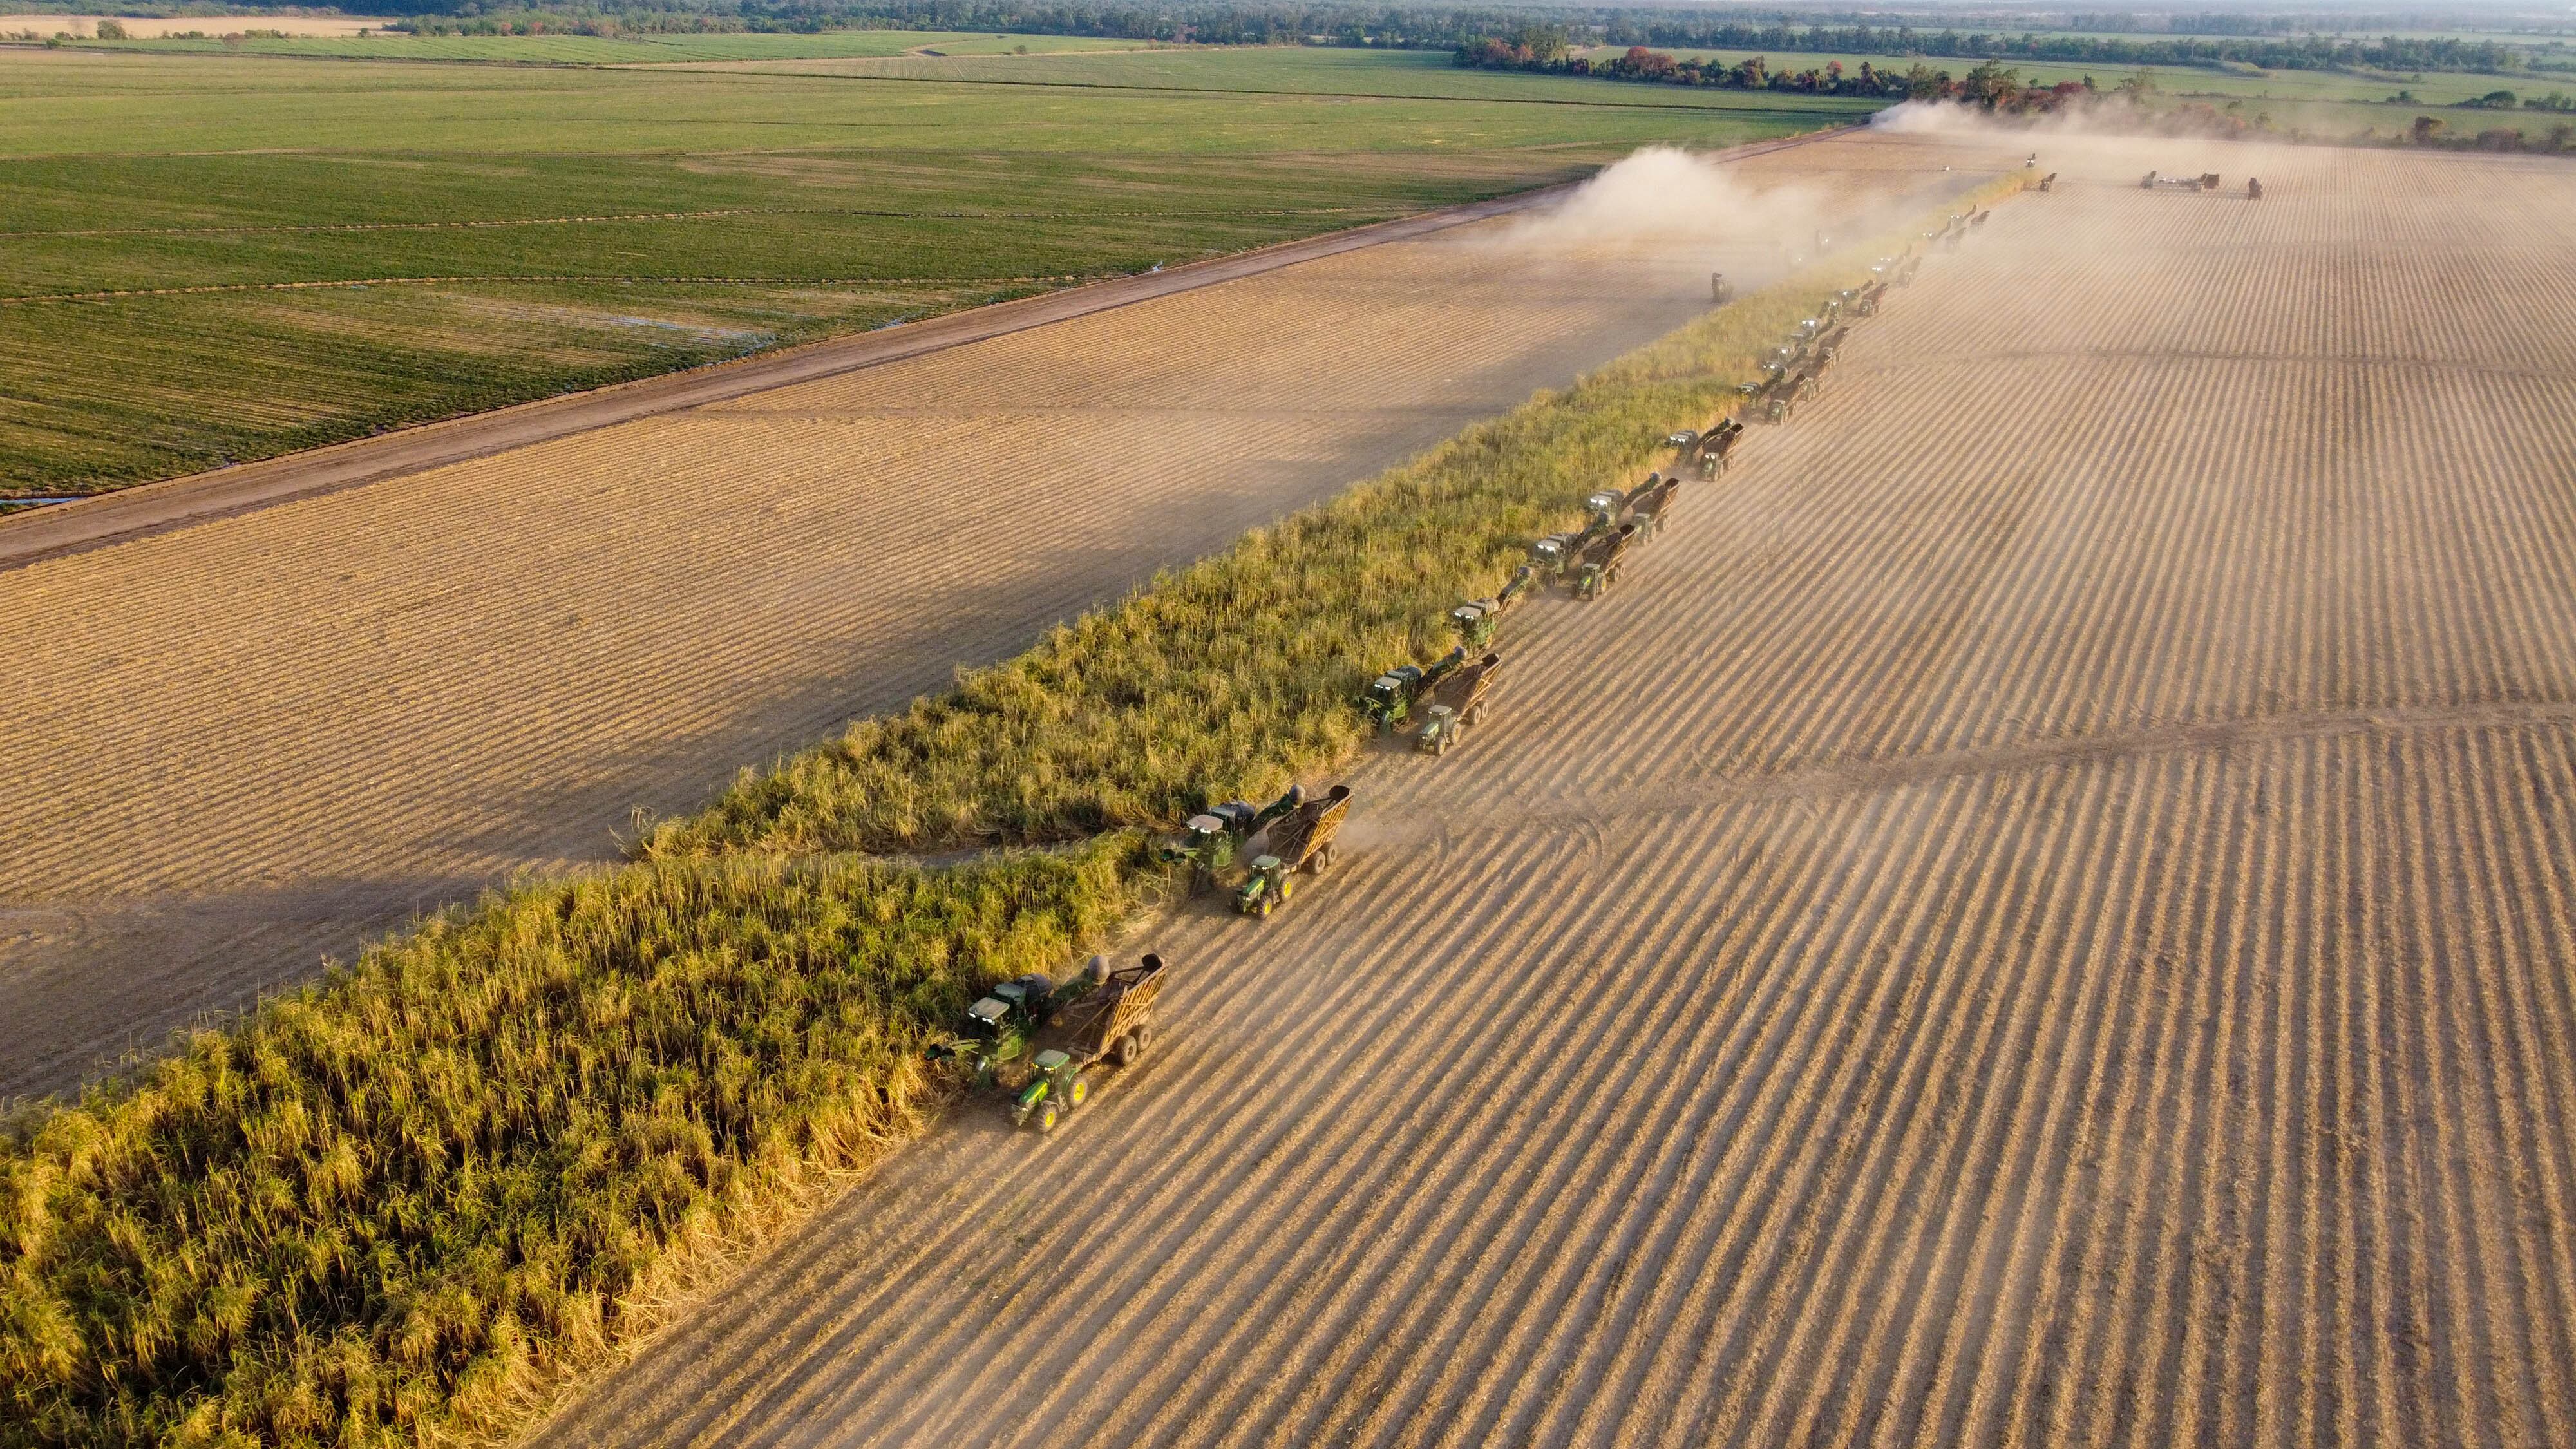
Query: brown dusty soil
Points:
[238, 746]
[2039, 913]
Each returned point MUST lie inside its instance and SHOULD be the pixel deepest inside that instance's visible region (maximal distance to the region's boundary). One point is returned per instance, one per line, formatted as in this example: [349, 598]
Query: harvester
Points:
[999, 1025]
[2155, 181]
[1110, 1018]
[1477, 619]
[1302, 842]
[1457, 704]
[1392, 695]
[1600, 566]
[1211, 842]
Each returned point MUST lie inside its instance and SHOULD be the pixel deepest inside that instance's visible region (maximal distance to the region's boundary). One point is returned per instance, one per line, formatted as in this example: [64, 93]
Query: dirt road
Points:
[2039, 913]
[237, 746]
[154, 506]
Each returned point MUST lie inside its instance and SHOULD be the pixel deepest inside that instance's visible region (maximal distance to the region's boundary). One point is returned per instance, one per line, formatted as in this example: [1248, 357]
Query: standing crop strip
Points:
[407, 1203]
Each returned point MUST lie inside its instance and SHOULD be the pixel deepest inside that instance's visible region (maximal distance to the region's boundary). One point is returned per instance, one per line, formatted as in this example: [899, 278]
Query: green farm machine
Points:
[1212, 841]
[1103, 1015]
[1457, 704]
[1303, 842]
[1389, 702]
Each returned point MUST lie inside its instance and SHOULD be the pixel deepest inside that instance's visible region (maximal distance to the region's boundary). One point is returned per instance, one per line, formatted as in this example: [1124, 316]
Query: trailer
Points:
[1458, 705]
[1600, 568]
[1302, 842]
[1648, 512]
[1111, 1020]
[1715, 445]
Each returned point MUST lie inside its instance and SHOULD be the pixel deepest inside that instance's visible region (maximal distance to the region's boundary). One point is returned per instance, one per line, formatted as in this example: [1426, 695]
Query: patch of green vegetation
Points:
[407, 1202]
[214, 259]
[400, 1204]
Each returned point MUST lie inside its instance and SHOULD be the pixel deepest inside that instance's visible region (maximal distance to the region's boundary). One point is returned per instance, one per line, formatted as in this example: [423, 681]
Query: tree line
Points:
[1418, 27]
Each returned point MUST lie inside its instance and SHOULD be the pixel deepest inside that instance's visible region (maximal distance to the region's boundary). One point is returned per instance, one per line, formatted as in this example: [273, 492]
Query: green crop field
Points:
[211, 258]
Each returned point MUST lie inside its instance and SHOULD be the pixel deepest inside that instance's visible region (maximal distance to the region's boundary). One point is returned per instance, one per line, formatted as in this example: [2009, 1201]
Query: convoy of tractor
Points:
[1041, 1042]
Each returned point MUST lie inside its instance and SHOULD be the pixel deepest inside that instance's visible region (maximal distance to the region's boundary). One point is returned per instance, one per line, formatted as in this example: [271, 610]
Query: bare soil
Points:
[236, 747]
[2039, 913]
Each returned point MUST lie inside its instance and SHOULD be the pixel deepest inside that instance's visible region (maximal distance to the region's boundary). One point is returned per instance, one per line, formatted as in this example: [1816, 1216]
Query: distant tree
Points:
[2428, 129]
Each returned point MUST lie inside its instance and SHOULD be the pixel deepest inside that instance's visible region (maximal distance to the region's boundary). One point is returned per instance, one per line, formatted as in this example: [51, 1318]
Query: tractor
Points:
[1457, 704]
[1111, 1019]
[1302, 842]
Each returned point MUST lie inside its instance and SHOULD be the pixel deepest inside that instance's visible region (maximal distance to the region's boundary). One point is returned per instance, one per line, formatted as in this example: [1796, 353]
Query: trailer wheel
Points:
[1136, 1041]
[1474, 716]
[1322, 860]
[1124, 1051]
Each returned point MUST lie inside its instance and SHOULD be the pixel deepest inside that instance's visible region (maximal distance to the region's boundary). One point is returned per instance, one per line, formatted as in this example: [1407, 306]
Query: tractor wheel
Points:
[1046, 1116]
[1263, 910]
[1080, 1094]
[1287, 884]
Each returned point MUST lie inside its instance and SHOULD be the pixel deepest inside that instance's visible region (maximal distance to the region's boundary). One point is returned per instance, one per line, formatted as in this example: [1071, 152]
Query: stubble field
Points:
[2039, 912]
[245, 744]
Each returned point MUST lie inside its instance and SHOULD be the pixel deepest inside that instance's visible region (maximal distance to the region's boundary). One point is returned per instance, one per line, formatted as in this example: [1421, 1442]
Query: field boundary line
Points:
[147, 508]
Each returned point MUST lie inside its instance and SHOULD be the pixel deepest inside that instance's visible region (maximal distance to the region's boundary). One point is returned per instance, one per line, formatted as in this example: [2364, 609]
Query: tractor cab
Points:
[1604, 506]
[987, 1017]
[1684, 440]
[1549, 553]
[1474, 623]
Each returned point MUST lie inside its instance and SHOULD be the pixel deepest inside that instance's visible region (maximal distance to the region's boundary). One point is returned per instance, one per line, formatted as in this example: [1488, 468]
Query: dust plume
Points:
[1664, 193]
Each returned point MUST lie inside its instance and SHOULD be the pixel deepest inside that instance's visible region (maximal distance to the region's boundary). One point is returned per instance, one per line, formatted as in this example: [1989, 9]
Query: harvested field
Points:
[2039, 912]
[238, 746]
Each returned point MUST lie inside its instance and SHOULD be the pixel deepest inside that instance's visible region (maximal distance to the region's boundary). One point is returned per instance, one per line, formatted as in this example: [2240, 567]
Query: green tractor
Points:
[1212, 842]
[1302, 842]
[1111, 1020]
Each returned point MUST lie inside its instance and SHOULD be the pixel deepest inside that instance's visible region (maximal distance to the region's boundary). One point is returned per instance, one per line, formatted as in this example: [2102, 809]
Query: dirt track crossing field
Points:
[237, 746]
[2039, 913]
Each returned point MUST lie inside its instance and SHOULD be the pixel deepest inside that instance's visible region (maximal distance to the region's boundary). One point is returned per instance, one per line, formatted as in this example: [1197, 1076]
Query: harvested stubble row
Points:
[408, 1202]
